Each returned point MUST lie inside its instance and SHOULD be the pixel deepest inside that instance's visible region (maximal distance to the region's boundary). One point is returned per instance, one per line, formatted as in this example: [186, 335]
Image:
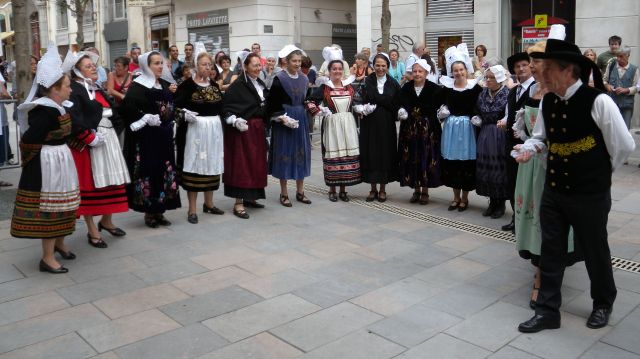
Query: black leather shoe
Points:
[509, 227]
[213, 210]
[192, 218]
[489, 211]
[252, 204]
[116, 232]
[539, 322]
[44, 267]
[162, 220]
[333, 197]
[96, 242]
[65, 255]
[599, 318]
[343, 196]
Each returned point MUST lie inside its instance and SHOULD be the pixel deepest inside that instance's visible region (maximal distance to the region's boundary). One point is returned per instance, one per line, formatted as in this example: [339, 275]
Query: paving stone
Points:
[44, 327]
[100, 288]
[430, 235]
[279, 283]
[33, 285]
[139, 300]
[508, 352]
[504, 279]
[625, 334]
[226, 257]
[463, 300]
[494, 253]
[583, 304]
[464, 242]
[209, 305]
[358, 345]
[491, 328]
[328, 248]
[522, 296]
[572, 339]
[8, 273]
[325, 326]
[127, 330]
[161, 256]
[169, 272]
[397, 296]
[92, 271]
[107, 355]
[453, 272]
[259, 317]
[576, 277]
[388, 249]
[429, 255]
[69, 346]
[627, 280]
[261, 346]
[602, 350]
[210, 281]
[405, 225]
[188, 342]
[371, 235]
[446, 347]
[277, 262]
[333, 291]
[414, 325]
[29, 307]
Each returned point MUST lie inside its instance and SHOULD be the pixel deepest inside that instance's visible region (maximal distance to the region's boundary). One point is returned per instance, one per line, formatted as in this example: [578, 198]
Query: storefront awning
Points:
[6, 34]
[550, 21]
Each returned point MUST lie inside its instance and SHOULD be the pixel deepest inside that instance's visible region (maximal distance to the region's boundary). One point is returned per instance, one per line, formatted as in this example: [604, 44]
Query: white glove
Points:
[152, 120]
[325, 111]
[476, 121]
[443, 112]
[140, 123]
[241, 124]
[98, 140]
[368, 109]
[358, 108]
[288, 121]
[190, 116]
[520, 115]
[402, 114]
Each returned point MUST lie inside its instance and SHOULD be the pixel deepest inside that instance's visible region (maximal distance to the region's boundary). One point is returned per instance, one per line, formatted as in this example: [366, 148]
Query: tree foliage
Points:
[77, 9]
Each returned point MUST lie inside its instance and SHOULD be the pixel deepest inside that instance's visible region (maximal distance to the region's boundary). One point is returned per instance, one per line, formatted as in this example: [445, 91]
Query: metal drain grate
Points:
[618, 263]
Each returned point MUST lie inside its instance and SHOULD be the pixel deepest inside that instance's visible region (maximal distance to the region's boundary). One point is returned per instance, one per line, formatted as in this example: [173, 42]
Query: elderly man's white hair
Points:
[415, 46]
[625, 50]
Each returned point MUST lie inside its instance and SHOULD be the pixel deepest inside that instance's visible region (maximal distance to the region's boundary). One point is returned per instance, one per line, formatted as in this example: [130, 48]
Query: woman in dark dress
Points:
[245, 145]
[48, 194]
[102, 171]
[148, 111]
[290, 150]
[458, 144]
[491, 164]
[420, 132]
[378, 144]
[199, 138]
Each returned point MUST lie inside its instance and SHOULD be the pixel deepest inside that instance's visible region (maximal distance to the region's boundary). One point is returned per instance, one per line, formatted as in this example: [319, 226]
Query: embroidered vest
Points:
[623, 101]
[578, 160]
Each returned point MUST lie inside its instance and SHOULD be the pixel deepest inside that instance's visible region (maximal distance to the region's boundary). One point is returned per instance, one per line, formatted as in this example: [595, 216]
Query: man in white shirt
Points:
[416, 52]
[586, 139]
[620, 80]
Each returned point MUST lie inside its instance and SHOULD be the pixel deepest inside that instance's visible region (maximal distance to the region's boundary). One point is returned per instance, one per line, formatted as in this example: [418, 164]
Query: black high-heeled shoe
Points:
[212, 210]
[116, 232]
[44, 267]
[65, 255]
[162, 220]
[99, 244]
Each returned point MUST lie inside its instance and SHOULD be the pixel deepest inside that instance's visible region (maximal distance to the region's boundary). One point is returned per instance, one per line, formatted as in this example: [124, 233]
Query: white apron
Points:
[107, 162]
[60, 190]
[204, 147]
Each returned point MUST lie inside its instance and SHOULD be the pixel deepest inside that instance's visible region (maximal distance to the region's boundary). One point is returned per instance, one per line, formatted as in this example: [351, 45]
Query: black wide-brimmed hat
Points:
[558, 49]
[517, 57]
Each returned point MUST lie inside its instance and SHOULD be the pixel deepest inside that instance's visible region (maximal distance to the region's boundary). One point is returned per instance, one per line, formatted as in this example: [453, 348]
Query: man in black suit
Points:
[519, 65]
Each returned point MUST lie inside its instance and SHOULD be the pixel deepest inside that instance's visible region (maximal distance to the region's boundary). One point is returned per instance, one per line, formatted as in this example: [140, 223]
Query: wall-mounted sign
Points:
[133, 3]
[531, 35]
[209, 18]
[540, 21]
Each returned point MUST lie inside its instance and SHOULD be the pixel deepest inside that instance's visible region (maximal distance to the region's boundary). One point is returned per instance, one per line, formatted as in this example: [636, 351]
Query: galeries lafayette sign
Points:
[133, 3]
[211, 18]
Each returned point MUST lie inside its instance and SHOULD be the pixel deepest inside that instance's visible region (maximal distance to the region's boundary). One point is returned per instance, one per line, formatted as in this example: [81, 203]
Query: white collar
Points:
[294, 76]
[525, 85]
[147, 78]
[571, 90]
[24, 108]
[324, 80]
[449, 82]
[382, 79]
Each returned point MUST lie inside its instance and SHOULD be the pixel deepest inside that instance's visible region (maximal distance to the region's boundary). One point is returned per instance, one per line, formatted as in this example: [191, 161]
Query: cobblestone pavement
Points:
[328, 280]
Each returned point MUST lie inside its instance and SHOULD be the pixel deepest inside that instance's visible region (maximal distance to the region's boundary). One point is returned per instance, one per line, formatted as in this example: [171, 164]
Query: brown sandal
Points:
[300, 197]
[463, 206]
[424, 198]
[382, 196]
[454, 205]
[372, 196]
[284, 200]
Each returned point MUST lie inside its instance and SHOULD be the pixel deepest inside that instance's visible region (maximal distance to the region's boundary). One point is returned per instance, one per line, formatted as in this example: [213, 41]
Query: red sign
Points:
[531, 34]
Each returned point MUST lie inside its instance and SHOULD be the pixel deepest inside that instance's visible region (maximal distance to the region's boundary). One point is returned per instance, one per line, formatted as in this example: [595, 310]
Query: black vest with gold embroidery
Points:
[578, 160]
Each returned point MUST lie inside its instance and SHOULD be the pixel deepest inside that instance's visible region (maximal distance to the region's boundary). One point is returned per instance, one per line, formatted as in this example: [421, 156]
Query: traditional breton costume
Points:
[420, 134]
[516, 100]
[245, 148]
[339, 132]
[102, 170]
[491, 159]
[586, 140]
[199, 138]
[378, 134]
[290, 150]
[148, 111]
[48, 194]
[458, 145]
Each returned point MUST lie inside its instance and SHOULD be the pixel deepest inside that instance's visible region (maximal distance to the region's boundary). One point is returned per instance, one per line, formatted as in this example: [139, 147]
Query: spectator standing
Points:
[307, 70]
[606, 57]
[269, 71]
[174, 63]
[188, 55]
[620, 80]
[416, 53]
[134, 67]
[396, 70]
[255, 48]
